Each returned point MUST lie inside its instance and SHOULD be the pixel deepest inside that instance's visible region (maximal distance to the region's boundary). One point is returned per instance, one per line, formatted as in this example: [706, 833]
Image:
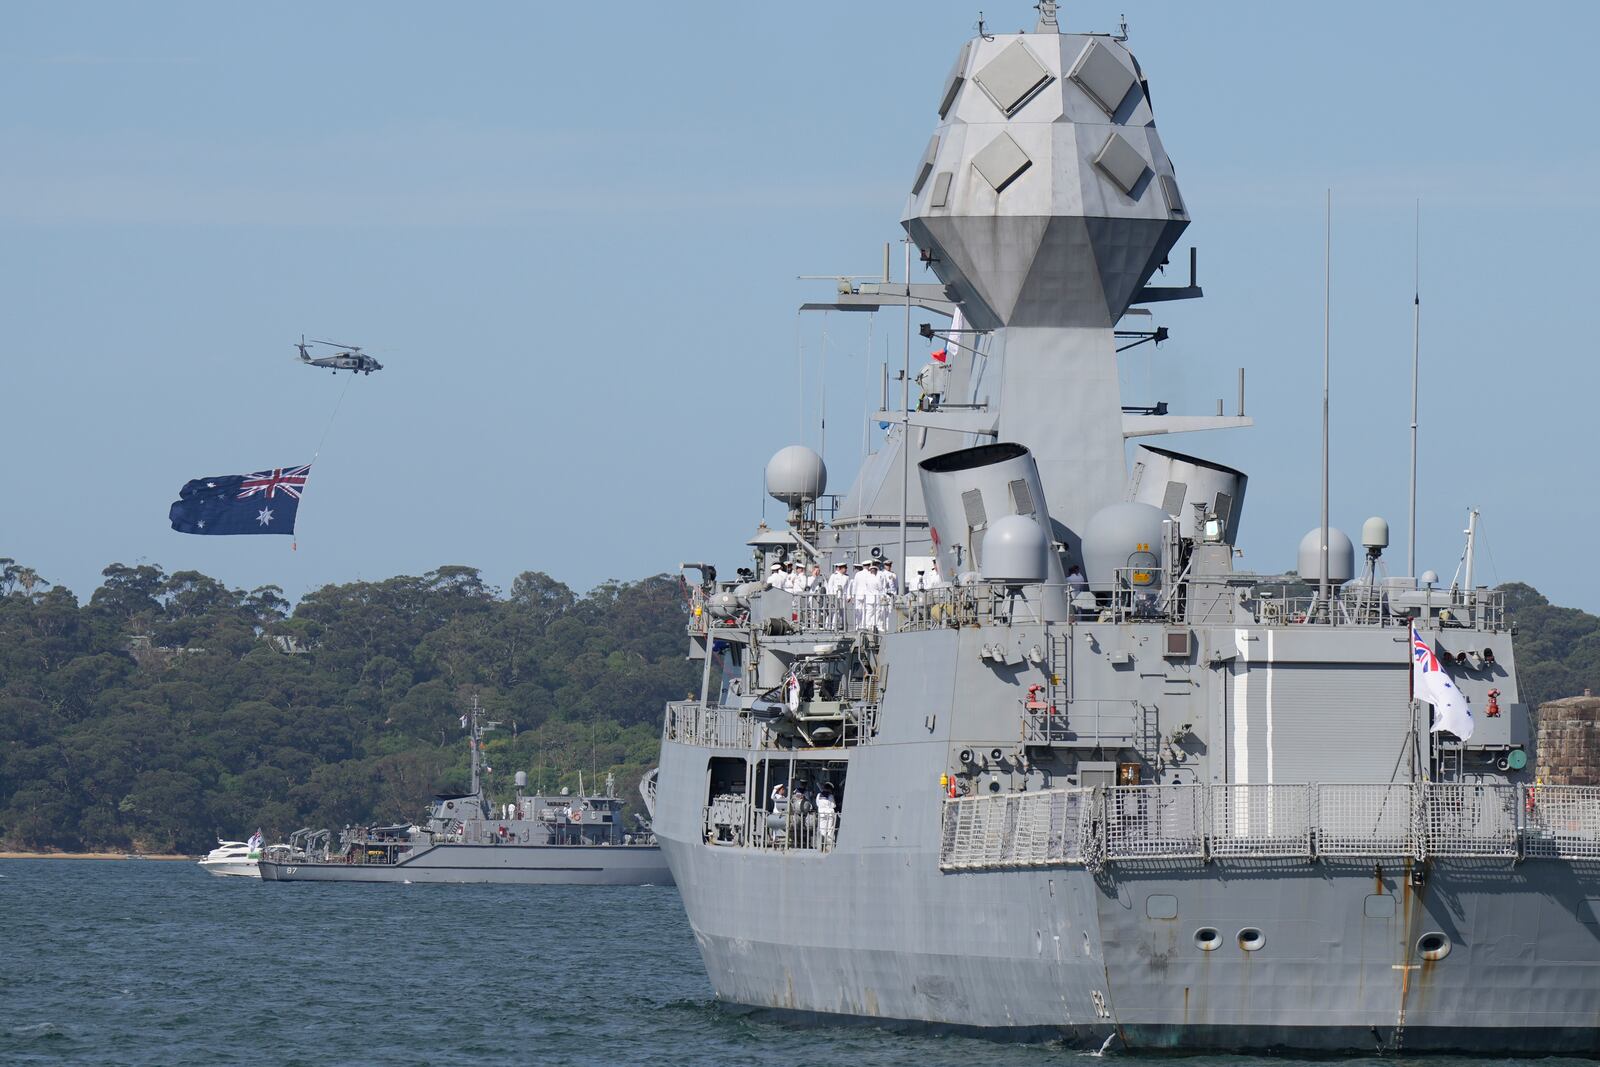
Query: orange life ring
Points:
[577, 814]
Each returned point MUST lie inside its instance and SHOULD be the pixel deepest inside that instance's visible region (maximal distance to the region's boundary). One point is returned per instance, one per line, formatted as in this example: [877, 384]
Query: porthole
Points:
[1208, 938]
[1251, 939]
[1433, 946]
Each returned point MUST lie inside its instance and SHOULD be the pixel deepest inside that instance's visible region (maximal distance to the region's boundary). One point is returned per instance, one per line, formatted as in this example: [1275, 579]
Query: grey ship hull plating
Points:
[875, 931]
[497, 864]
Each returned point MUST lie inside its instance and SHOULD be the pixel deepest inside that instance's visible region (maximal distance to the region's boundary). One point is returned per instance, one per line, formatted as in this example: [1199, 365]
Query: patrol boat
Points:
[1183, 807]
[539, 839]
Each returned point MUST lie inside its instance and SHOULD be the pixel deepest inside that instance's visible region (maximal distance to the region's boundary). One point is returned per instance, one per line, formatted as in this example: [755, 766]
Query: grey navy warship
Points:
[1094, 783]
[556, 839]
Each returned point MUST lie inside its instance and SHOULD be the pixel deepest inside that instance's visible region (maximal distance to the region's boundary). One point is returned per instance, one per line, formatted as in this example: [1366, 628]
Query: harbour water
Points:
[145, 963]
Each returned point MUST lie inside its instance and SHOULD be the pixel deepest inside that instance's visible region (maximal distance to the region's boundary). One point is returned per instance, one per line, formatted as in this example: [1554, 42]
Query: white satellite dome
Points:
[796, 474]
[1015, 551]
[1341, 556]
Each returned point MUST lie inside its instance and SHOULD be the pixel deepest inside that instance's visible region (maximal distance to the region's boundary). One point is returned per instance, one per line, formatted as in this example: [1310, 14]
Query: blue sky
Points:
[573, 234]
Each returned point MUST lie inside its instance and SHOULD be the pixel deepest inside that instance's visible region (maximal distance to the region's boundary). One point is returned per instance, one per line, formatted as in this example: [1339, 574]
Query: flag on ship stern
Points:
[261, 503]
[1429, 682]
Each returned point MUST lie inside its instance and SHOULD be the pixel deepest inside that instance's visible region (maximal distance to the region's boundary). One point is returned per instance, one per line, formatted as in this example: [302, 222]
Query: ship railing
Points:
[1361, 604]
[788, 829]
[1261, 820]
[1155, 822]
[1333, 820]
[687, 722]
[1561, 821]
[973, 604]
[1367, 819]
[1017, 829]
[691, 723]
[1466, 819]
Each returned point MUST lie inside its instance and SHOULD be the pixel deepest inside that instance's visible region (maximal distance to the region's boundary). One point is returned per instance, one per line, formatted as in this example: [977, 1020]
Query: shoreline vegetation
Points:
[168, 856]
[167, 711]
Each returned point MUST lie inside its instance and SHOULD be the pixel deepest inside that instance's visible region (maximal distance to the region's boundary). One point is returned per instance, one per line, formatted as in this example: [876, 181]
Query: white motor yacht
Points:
[238, 858]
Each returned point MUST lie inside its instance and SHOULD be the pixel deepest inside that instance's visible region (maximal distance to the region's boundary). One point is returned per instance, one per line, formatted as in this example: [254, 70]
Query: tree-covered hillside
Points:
[169, 709]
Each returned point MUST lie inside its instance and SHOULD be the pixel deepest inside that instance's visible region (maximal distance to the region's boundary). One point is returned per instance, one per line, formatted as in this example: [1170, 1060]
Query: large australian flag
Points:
[261, 503]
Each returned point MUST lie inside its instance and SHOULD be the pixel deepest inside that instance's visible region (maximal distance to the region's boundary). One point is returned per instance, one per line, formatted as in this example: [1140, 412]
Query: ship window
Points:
[1012, 78]
[953, 81]
[1120, 161]
[1169, 189]
[925, 168]
[1102, 75]
[1161, 906]
[1001, 161]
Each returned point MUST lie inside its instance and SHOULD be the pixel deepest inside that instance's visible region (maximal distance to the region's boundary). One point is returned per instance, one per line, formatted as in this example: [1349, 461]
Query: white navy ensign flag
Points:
[1429, 682]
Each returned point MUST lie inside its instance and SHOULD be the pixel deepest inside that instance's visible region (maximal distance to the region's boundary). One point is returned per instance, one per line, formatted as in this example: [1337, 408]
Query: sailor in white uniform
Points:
[857, 594]
[888, 589]
[835, 588]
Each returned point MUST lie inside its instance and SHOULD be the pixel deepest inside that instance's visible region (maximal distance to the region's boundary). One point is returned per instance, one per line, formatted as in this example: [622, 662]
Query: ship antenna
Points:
[1047, 17]
[905, 415]
[1416, 351]
[1327, 290]
[981, 31]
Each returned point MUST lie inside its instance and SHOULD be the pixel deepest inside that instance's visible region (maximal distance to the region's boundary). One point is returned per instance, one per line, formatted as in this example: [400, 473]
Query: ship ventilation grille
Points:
[972, 504]
[1222, 507]
[1172, 502]
[1021, 497]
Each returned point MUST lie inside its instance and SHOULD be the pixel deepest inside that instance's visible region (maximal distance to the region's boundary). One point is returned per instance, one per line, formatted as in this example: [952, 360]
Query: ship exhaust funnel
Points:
[1189, 489]
[974, 492]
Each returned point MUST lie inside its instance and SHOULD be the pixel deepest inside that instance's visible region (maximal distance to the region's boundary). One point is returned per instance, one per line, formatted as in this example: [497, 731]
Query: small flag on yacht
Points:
[1429, 682]
[463, 722]
[255, 843]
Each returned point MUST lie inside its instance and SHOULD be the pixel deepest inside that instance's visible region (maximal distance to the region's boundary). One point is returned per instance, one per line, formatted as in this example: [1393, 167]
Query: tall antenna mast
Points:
[1327, 331]
[1416, 355]
[905, 415]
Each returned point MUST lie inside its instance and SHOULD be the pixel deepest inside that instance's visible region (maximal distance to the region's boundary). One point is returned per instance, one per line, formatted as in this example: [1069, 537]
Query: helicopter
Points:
[347, 357]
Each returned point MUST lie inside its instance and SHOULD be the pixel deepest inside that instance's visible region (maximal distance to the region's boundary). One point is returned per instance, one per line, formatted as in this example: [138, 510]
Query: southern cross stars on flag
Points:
[264, 502]
[1429, 682]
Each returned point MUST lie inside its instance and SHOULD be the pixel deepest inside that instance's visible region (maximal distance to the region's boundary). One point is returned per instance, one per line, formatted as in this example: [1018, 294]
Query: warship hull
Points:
[875, 931]
[496, 864]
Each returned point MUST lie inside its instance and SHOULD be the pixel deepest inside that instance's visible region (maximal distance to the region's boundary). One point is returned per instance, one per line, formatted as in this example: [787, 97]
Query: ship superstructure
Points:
[1093, 781]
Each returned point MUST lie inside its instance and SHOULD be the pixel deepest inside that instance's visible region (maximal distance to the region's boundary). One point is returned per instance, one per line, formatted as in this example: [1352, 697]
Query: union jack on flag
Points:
[1429, 682]
[287, 480]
